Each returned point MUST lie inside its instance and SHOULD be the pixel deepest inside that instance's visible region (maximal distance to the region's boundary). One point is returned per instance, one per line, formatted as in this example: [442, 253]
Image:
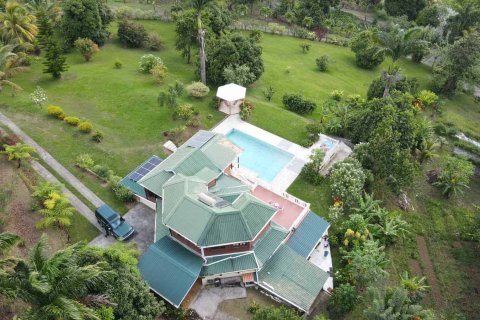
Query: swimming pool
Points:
[258, 156]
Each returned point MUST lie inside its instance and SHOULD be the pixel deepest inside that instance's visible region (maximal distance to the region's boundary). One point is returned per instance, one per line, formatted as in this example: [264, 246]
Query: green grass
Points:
[122, 103]
[81, 229]
[464, 113]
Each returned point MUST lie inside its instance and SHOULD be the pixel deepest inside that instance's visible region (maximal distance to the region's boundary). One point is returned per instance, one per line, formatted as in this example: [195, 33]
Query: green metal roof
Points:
[229, 263]
[160, 229]
[227, 185]
[269, 243]
[206, 161]
[170, 269]
[292, 278]
[208, 225]
[308, 234]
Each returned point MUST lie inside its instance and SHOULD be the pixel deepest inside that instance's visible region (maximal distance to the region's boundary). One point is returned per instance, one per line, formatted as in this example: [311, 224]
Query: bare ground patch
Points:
[429, 271]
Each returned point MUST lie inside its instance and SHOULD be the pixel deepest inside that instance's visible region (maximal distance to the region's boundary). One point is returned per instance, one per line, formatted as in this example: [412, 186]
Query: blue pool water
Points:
[263, 158]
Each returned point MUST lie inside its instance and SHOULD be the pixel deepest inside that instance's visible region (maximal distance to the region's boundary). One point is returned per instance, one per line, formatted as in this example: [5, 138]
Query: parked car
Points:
[113, 223]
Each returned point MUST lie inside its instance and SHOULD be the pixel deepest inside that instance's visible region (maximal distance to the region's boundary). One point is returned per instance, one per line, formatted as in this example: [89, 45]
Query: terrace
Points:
[291, 210]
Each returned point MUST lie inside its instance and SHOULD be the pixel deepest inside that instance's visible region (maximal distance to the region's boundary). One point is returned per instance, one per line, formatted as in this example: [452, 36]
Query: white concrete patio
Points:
[323, 261]
[291, 171]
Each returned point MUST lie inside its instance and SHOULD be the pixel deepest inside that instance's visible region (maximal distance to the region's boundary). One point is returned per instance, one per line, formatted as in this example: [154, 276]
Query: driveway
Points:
[209, 298]
[142, 219]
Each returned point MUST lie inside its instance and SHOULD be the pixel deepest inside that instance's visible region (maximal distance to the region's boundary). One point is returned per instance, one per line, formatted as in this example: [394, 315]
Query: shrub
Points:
[305, 47]
[118, 64]
[239, 74]
[368, 53]
[268, 93]
[153, 42]
[427, 98]
[179, 88]
[168, 98]
[255, 35]
[377, 87]
[97, 136]
[123, 194]
[336, 95]
[246, 110]
[183, 112]
[322, 63]
[147, 62]
[84, 161]
[159, 72]
[85, 127]
[343, 299]
[102, 171]
[56, 112]
[197, 90]
[39, 96]
[86, 47]
[298, 104]
[73, 121]
[132, 35]
[348, 180]
[175, 134]
[194, 122]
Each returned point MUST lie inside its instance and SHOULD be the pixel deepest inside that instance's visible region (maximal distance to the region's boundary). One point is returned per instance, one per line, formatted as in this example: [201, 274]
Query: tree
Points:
[199, 6]
[55, 61]
[390, 77]
[266, 12]
[348, 179]
[232, 49]
[467, 18]
[240, 75]
[458, 65]
[393, 303]
[127, 290]
[185, 32]
[316, 9]
[18, 26]
[10, 64]
[59, 216]
[131, 34]
[409, 8]
[368, 52]
[455, 175]
[85, 19]
[343, 299]
[404, 85]
[56, 286]
[398, 42]
[18, 152]
[431, 15]
[273, 313]
[366, 262]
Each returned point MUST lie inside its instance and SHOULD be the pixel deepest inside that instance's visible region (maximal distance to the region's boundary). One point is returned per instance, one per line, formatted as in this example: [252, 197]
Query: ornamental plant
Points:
[85, 127]
[159, 72]
[348, 179]
[197, 90]
[322, 63]
[73, 121]
[56, 111]
[86, 47]
[39, 96]
[184, 112]
[148, 61]
[84, 161]
[298, 104]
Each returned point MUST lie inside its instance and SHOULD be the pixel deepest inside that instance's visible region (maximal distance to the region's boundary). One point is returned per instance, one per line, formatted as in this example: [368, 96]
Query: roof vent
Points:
[208, 200]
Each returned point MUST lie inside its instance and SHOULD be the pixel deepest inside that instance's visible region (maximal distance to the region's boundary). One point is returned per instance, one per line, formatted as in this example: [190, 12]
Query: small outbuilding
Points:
[230, 98]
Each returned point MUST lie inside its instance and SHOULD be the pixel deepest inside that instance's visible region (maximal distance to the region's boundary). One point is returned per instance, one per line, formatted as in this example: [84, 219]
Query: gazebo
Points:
[231, 97]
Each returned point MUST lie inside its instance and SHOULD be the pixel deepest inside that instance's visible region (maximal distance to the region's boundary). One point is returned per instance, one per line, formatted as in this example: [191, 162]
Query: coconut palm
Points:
[57, 286]
[427, 150]
[398, 42]
[10, 64]
[59, 215]
[17, 24]
[19, 152]
[199, 6]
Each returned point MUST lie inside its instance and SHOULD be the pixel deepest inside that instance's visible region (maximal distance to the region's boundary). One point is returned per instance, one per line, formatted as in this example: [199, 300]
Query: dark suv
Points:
[113, 223]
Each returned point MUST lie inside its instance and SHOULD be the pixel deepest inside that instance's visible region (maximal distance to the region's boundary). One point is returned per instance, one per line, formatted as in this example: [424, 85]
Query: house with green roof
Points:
[212, 227]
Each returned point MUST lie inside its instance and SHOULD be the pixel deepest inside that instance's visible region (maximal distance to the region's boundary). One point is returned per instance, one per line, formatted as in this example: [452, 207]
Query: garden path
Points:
[54, 164]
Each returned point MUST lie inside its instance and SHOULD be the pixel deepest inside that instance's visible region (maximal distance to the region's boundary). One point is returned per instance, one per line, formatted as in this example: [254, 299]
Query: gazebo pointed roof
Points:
[231, 92]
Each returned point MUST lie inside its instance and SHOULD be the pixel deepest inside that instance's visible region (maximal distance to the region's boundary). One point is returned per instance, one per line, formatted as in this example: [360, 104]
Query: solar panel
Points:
[200, 138]
[145, 168]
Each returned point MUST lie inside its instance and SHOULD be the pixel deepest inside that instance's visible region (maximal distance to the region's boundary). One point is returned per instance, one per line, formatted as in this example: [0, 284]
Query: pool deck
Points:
[291, 171]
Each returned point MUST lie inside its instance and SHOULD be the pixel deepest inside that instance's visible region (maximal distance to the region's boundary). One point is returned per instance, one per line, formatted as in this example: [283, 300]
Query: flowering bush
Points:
[159, 72]
[73, 121]
[348, 179]
[85, 126]
[183, 112]
[197, 90]
[39, 96]
[247, 110]
[56, 111]
[147, 62]
[86, 47]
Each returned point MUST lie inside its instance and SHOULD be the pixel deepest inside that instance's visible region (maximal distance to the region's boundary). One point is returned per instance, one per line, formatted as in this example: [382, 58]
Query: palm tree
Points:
[58, 286]
[450, 185]
[17, 24]
[10, 64]
[398, 42]
[7, 241]
[58, 216]
[19, 152]
[426, 152]
[390, 77]
[199, 6]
